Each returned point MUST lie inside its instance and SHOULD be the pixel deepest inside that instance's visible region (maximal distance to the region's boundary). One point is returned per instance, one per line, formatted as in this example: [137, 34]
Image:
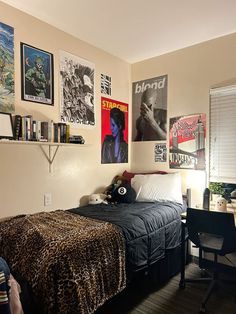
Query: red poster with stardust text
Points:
[114, 131]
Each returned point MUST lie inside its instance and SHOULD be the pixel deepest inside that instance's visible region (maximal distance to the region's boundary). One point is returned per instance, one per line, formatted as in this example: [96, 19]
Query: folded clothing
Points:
[9, 291]
[4, 268]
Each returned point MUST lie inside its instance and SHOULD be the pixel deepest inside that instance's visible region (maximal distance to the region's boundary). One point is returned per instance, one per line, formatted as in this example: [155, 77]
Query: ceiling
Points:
[134, 30]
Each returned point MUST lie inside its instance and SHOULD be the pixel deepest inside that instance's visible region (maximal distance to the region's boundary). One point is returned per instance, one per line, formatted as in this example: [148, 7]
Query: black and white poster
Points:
[149, 114]
[160, 152]
[105, 84]
[77, 90]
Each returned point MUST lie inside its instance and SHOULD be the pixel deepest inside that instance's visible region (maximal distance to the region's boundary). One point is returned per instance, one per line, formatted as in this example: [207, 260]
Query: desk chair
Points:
[212, 232]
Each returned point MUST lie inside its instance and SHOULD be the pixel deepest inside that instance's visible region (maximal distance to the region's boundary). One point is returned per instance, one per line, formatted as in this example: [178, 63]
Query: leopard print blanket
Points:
[73, 263]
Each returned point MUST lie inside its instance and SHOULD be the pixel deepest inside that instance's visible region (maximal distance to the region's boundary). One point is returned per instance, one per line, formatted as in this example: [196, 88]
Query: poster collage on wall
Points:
[187, 134]
[77, 93]
[77, 105]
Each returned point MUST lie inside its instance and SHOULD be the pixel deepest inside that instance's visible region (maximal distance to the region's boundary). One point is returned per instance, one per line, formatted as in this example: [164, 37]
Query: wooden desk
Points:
[229, 211]
[184, 240]
[231, 208]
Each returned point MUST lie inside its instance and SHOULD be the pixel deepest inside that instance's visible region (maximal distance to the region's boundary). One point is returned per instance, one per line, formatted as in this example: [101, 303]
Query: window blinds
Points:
[223, 134]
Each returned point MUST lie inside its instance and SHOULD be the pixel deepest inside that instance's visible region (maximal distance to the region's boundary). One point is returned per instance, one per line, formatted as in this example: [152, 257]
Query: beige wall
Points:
[191, 73]
[77, 171]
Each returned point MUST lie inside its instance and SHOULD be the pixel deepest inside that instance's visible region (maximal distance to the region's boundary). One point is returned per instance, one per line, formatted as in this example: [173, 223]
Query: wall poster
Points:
[187, 142]
[149, 109]
[160, 152]
[106, 84]
[36, 75]
[7, 85]
[77, 90]
[114, 131]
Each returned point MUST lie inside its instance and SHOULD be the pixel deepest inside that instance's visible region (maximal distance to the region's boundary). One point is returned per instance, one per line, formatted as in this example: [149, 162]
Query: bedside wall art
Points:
[36, 75]
[7, 84]
[76, 91]
[187, 142]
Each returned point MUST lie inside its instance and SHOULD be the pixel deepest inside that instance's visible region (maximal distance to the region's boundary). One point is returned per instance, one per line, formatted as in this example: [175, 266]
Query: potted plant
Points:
[217, 189]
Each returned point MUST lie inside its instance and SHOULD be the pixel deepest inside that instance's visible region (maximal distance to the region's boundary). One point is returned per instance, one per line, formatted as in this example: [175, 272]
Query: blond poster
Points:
[187, 142]
[114, 131]
[149, 114]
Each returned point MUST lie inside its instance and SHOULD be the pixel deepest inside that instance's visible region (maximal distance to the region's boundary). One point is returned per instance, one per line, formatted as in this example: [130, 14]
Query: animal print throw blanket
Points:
[73, 263]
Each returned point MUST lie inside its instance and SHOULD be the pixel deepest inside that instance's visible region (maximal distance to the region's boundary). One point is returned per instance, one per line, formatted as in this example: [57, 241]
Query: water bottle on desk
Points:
[206, 199]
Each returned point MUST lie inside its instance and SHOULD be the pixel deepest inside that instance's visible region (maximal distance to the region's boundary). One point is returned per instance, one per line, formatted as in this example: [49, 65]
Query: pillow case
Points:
[157, 187]
[129, 175]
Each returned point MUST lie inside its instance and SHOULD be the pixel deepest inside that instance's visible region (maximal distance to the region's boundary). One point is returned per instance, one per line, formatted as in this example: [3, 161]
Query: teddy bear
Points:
[97, 199]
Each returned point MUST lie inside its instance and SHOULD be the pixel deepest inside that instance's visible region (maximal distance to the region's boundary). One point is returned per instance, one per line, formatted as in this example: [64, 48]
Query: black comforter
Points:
[149, 228]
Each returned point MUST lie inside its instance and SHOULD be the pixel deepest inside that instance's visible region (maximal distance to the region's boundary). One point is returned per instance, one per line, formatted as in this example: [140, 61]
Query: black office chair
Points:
[212, 232]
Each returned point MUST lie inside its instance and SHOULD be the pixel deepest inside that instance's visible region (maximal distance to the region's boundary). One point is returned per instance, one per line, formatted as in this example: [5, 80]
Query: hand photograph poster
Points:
[149, 109]
[114, 133]
[77, 90]
[187, 142]
[7, 85]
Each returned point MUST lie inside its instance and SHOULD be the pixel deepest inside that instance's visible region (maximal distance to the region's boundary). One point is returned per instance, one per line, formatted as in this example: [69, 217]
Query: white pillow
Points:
[158, 187]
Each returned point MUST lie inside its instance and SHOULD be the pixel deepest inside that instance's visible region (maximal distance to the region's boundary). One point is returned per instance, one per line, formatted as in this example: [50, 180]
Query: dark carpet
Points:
[142, 298]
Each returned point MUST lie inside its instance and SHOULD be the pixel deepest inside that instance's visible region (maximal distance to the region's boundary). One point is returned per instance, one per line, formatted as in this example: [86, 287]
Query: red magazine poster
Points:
[187, 142]
[114, 133]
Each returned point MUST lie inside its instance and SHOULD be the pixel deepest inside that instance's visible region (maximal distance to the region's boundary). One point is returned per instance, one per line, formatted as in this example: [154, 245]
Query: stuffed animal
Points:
[97, 199]
[221, 204]
[124, 193]
[116, 182]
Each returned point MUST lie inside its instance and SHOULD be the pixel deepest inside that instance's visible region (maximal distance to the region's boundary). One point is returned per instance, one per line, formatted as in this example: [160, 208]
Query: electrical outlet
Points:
[47, 199]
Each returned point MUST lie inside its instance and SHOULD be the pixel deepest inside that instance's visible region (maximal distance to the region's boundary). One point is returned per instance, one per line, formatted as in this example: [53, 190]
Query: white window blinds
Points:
[223, 134]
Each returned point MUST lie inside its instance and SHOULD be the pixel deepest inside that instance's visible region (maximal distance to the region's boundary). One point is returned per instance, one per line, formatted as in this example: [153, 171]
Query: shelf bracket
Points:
[50, 155]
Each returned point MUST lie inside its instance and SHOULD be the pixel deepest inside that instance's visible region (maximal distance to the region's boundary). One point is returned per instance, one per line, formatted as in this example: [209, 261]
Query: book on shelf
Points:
[34, 130]
[29, 120]
[23, 128]
[38, 130]
[62, 131]
[26, 128]
[16, 119]
[67, 133]
[44, 130]
[55, 128]
[50, 131]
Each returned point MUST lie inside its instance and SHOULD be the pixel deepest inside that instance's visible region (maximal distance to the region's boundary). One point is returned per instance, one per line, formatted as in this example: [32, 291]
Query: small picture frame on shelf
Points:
[6, 129]
[37, 83]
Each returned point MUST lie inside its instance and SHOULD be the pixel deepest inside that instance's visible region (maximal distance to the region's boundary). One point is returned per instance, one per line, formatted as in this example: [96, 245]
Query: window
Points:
[223, 134]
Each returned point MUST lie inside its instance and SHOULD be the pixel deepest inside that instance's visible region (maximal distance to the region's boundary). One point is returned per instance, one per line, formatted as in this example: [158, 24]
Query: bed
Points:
[75, 260]
[150, 229]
